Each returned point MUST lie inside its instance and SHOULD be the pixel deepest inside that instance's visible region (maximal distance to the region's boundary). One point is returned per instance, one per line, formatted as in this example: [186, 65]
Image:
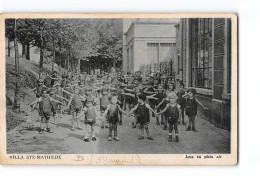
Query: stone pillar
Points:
[188, 57]
[124, 60]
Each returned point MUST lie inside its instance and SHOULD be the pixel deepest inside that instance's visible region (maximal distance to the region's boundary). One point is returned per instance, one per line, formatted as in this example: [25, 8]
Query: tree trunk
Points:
[60, 56]
[41, 56]
[68, 60]
[53, 53]
[114, 63]
[65, 60]
[16, 106]
[8, 47]
[28, 50]
[23, 50]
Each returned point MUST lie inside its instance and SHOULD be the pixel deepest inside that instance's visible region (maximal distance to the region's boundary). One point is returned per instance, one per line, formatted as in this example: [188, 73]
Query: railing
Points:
[166, 70]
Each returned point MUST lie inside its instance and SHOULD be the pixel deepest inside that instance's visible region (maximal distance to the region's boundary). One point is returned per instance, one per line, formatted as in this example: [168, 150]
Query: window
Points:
[159, 52]
[166, 52]
[201, 52]
[229, 46]
[153, 52]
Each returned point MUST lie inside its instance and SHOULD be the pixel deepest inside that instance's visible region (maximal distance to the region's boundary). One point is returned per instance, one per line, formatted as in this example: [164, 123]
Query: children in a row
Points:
[168, 104]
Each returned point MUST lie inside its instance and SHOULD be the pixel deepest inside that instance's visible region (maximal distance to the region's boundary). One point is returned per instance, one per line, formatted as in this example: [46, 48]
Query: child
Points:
[172, 110]
[112, 112]
[181, 101]
[138, 91]
[104, 102]
[39, 88]
[60, 92]
[55, 105]
[191, 109]
[91, 113]
[120, 97]
[143, 115]
[160, 95]
[75, 105]
[82, 89]
[128, 99]
[44, 109]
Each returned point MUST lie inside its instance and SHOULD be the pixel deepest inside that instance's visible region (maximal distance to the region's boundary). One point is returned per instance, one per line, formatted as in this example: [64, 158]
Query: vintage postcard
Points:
[118, 89]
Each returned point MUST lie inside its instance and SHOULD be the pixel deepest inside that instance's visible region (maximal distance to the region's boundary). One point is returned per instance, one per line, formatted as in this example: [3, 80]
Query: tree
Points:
[16, 106]
[9, 33]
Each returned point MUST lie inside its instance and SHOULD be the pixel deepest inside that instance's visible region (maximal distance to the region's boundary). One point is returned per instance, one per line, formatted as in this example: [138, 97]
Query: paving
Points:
[26, 139]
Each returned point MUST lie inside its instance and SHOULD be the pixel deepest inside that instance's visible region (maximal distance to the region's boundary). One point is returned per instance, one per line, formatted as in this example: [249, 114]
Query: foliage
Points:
[80, 37]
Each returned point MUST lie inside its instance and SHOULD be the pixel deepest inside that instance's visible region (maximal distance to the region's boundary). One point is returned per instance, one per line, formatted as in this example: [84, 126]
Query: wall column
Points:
[124, 60]
[188, 57]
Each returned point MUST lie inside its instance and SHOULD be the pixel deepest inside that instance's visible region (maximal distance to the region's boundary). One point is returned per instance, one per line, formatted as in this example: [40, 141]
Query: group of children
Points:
[114, 94]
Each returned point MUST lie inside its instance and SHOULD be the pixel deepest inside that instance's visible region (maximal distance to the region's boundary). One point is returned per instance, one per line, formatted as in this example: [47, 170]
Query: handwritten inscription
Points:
[106, 160]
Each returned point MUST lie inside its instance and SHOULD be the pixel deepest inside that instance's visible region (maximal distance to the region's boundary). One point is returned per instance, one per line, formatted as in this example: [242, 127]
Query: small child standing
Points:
[160, 95]
[181, 101]
[75, 105]
[56, 107]
[44, 109]
[143, 115]
[91, 113]
[191, 109]
[104, 102]
[120, 97]
[112, 112]
[172, 111]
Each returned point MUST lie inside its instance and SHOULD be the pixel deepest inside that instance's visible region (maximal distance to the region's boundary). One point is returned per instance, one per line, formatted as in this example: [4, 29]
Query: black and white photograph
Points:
[154, 85]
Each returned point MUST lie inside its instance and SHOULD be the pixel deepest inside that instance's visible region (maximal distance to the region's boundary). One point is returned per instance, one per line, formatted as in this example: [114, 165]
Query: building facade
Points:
[203, 62]
[148, 41]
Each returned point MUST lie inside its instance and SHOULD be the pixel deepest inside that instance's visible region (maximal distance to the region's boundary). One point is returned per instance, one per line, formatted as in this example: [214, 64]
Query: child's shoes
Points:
[194, 130]
[176, 139]
[150, 138]
[49, 130]
[94, 138]
[188, 129]
[116, 139]
[41, 131]
[170, 138]
[109, 139]
[86, 139]
[141, 137]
